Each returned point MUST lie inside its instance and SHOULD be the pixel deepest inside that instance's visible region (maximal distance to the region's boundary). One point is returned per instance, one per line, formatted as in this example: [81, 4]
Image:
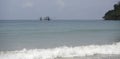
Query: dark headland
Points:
[113, 14]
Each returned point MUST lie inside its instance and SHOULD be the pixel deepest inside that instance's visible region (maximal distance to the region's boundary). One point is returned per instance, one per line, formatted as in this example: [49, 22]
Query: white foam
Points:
[61, 52]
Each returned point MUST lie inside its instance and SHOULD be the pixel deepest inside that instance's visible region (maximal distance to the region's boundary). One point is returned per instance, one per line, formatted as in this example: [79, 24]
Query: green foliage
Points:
[113, 14]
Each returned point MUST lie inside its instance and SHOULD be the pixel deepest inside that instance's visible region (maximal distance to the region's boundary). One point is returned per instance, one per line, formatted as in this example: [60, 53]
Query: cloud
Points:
[28, 4]
[61, 4]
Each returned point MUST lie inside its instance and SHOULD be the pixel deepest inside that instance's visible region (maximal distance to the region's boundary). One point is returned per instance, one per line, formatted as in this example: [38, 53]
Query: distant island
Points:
[113, 14]
[45, 18]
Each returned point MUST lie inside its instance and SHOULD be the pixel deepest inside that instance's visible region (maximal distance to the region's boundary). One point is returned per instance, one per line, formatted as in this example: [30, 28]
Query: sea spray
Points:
[61, 52]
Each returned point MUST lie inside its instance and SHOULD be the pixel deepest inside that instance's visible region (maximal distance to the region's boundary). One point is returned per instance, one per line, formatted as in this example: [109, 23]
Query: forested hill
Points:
[113, 14]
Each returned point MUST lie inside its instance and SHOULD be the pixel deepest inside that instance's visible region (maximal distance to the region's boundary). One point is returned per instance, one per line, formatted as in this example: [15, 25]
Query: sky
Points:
[56, 9]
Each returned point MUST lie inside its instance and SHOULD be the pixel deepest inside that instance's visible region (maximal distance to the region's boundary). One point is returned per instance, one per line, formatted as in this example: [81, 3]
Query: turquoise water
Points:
[64, 34]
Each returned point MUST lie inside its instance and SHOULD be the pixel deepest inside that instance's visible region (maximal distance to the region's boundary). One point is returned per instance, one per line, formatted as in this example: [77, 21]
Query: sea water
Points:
[59, 39]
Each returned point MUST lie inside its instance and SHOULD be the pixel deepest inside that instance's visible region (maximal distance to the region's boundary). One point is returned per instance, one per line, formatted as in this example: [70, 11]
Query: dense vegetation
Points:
[113, 14]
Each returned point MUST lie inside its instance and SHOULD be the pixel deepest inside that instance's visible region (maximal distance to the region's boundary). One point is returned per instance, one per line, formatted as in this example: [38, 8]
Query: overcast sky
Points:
[56, 9]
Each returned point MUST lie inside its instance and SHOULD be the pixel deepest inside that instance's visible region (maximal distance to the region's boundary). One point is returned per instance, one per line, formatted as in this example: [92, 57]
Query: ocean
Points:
[59, 39]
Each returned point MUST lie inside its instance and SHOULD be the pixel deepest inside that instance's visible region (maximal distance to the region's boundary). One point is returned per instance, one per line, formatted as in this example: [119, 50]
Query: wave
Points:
[60, 52]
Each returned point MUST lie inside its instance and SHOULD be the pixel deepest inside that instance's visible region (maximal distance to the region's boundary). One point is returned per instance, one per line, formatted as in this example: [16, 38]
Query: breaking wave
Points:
[60, 52]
